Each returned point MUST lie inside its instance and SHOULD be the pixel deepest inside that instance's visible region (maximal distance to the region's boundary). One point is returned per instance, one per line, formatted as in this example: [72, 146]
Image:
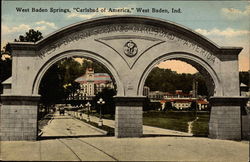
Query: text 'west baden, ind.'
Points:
[158, 10]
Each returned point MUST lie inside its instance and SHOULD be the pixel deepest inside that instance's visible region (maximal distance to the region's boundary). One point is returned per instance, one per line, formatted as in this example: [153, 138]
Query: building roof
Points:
[243, 85]
[183, 100]
[98, 78]
[203, 102]
[7, 81]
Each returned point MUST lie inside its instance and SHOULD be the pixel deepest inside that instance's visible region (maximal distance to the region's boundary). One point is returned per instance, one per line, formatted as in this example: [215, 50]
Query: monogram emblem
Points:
[130, 48]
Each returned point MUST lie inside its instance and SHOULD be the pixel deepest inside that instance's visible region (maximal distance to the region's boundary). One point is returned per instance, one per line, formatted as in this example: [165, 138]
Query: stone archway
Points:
[129, 46]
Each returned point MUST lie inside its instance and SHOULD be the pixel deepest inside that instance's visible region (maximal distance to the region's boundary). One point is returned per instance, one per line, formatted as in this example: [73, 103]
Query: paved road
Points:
[90, 145]
[63, 126]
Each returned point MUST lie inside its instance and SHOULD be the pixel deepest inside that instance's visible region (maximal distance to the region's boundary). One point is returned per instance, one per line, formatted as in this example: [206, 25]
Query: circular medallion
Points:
[130, 48]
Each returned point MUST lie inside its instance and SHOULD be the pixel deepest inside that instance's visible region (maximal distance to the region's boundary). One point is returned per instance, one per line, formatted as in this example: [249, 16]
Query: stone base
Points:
[19, 118]
[246, 127]
[128, 117]
[225, 117]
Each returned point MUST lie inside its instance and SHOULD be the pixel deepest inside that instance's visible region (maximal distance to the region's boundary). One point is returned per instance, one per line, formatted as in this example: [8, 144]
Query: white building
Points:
[92, 83]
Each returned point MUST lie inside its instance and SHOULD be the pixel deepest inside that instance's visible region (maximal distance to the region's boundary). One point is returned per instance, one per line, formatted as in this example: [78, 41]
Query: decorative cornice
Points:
[19, 100]
[228, 101]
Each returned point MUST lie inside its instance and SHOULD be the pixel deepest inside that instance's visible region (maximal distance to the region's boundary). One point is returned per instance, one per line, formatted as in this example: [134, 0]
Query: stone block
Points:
[225, 121]
[17, 119]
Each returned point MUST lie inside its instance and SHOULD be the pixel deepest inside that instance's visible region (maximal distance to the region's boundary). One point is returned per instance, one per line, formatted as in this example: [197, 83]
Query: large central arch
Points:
[129, 47]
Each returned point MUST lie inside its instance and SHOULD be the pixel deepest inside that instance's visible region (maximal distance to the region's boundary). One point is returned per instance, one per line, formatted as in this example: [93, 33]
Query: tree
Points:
[107, 95]
[6, 56]
[62, 77]
[168, 106]
[202, 87]
[193, 106]
[168, 81]
[245, 77]
[51, 87]
[146, 104]
[30, 36]
[5, 69]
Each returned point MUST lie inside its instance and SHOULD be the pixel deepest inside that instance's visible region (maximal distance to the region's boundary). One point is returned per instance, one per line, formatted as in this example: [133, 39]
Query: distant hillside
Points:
[169, 81]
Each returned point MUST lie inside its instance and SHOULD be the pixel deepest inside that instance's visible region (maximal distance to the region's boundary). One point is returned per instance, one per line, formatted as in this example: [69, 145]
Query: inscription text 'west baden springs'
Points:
[151, 30]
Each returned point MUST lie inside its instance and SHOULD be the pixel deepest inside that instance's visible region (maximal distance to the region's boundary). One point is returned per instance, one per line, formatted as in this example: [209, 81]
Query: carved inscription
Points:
[206, 54]
[137, 28]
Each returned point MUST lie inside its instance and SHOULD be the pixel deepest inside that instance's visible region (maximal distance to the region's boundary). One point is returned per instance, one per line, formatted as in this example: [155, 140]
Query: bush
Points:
[147, 105]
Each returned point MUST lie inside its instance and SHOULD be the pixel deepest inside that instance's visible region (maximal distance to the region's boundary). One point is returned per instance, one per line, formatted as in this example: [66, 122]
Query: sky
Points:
[227, 23]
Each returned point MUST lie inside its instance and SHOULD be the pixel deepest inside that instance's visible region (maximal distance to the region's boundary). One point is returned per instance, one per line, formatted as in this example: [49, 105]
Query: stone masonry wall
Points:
[18, 122]
[225, 122]
[128, 121]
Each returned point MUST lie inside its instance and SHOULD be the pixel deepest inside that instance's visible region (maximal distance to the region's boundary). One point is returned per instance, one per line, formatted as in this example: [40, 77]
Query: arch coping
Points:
[121, 20]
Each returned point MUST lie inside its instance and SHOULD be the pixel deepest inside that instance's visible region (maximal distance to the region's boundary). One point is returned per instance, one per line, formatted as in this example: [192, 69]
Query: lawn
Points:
[178, 121]
[200, 126]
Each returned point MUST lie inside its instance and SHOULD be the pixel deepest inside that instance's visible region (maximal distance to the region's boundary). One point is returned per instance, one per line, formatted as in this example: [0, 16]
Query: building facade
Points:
[178, 99]
[92, 83]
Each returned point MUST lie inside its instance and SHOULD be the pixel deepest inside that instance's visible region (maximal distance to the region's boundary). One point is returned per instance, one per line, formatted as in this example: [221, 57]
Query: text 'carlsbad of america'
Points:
[121, 10]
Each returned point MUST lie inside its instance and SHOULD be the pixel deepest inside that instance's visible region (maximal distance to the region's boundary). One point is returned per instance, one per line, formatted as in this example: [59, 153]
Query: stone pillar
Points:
[128, 116]
[225, 117]
[18, 117]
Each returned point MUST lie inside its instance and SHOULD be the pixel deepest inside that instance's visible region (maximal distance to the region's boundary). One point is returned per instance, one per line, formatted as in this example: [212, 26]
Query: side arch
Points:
[78, 53]
[212, 79]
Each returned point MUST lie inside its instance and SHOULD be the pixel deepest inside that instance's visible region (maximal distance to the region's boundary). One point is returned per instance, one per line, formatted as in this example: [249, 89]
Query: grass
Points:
[169, 120]
[200, 126]
[111, 131]
[104, 116]
[178, 121]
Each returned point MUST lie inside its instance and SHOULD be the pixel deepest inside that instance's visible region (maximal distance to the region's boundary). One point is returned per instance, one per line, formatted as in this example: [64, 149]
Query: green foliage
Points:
[62, 77]
[178, 121]
[168, 120]
[168, 106]
[193, 106]
[99, 68]
[51, 87]
[58, 82]
[70, 69]
[107, 95]
[110, 131]
[245, 77]
[147, 105]
[200, 126]
[168, 81]
[30, 36]
[5, 70]
[202, 88]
